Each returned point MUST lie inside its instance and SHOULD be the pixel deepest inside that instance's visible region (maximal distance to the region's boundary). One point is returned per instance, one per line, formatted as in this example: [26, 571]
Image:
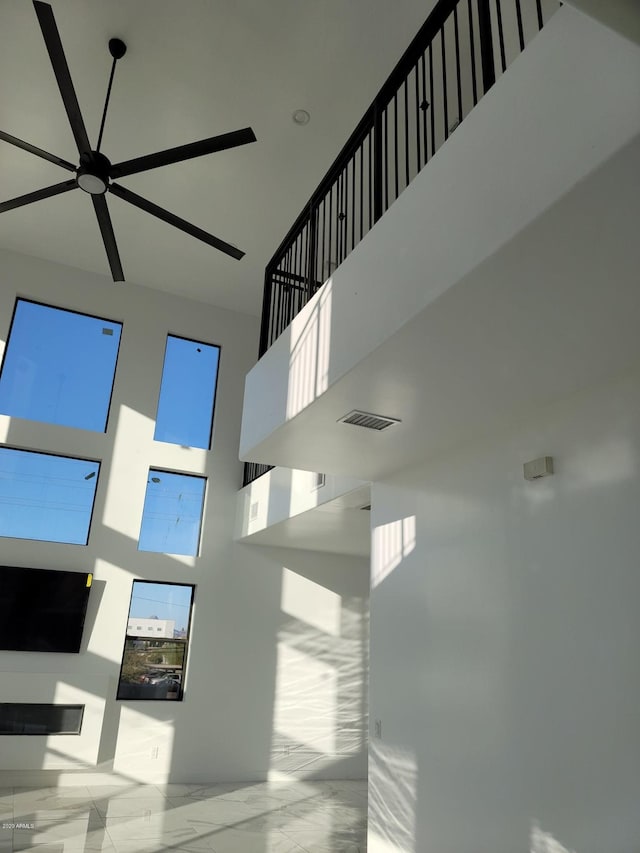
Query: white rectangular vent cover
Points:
[368, 420]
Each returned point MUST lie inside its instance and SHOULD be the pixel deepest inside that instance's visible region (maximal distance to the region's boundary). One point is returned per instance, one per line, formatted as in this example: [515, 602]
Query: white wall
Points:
[505, 637]
[224, 728]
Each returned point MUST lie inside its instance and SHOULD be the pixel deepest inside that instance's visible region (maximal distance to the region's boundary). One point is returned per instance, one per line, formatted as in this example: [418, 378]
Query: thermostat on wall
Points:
[538, 468]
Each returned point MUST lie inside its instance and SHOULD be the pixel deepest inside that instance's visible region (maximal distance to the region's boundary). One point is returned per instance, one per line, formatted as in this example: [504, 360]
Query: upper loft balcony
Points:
[467, 258]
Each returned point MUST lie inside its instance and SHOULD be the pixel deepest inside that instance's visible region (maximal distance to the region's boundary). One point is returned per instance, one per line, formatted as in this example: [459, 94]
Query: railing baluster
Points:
[395, 142]
[321, 277]
[361, 189]
[444, 82]
[385, 157]
[458, 76]
[299, 271]
[341, 216]
[329, 252]
[503, 59]
[353, 202]
[417, 115]
[313, 251]
[286, 291]
[344, 211]
[424, 107]
[376, 156]
[472, 49]
[520, 28]
[406, 133]
[486, 44]
[433, 112]
[339, 220]
[274, 313]
[539, 11]
[338, 215]
[266, 313]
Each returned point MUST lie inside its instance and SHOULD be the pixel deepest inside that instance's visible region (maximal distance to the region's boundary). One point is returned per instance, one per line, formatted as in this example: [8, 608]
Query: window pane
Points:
[46, 497]
[187, 393]
[59, 367]
[156, 643]
[172, 513]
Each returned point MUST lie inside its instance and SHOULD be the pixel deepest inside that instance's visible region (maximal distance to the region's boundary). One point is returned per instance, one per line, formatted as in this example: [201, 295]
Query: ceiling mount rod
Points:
[117, 49]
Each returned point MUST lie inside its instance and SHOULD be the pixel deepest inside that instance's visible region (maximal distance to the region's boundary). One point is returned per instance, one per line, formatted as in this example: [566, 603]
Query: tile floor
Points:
[274, 817]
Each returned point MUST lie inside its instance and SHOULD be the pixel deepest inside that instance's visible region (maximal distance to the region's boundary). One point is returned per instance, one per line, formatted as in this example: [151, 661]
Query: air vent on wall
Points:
[318, 481]
[368, 420]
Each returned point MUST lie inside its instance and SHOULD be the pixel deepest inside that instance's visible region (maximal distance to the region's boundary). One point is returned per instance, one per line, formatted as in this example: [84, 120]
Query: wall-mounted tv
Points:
[42, 610]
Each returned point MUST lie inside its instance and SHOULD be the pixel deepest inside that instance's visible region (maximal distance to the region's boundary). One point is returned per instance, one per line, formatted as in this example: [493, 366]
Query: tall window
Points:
[46, 497]
[155, 650]
[172, 514]
[187, 393]
[59, 366]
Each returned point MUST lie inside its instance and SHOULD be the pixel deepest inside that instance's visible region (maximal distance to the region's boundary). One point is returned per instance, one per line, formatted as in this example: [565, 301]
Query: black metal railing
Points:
[455, 58]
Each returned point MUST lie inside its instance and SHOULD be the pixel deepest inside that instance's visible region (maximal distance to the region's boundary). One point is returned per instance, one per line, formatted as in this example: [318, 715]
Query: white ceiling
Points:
[193, 69]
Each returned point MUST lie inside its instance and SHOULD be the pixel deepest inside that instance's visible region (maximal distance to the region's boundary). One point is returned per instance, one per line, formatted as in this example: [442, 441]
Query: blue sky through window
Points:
[59, 367]
[172, 513]
[46, 497]
[187, 393]
[161, 600]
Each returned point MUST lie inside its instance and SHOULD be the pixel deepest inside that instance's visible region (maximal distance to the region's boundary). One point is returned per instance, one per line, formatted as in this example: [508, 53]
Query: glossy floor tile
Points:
[270, 817]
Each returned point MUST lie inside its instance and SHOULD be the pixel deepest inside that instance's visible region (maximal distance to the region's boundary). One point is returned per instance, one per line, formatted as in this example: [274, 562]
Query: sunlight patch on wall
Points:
[310, 354]
[303, 494]
[123, 508]
[5, 424]
[392, 542]
[543, 842]
[311, 603]
[393, 785]
[324, 339]
[612, 460]
[306, 701]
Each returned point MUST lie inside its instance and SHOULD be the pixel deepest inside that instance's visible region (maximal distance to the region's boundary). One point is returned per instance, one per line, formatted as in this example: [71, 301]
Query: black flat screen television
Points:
[42, 610]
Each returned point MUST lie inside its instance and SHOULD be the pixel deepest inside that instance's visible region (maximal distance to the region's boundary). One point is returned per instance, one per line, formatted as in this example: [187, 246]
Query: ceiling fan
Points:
[95, 173]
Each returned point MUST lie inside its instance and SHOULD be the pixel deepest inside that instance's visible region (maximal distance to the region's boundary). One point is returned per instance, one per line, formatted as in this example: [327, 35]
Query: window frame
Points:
[182, 641]
[97, 462]
[215, 390]
[47, 305]
[171, 472]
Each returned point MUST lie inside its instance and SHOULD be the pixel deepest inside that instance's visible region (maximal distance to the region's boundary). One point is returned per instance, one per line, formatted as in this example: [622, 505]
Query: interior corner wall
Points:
[224, 728]
[505, 636]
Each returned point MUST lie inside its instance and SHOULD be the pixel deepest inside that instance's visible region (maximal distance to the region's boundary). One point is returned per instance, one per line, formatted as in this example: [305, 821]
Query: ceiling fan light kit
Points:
[95, 173]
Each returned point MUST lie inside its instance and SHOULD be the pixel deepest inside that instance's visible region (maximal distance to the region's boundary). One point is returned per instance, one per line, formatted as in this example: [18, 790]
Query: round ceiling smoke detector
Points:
[301, 117]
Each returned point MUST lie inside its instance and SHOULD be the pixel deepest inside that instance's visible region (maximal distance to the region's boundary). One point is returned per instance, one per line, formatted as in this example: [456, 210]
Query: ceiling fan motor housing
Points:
[93, 173]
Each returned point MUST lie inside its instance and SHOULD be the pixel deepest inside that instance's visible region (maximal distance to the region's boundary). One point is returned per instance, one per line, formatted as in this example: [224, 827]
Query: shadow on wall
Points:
[320, 704]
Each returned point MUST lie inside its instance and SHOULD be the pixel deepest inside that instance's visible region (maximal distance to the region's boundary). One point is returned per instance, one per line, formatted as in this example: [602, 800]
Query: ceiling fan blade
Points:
[176, 221]
[183, 152]
[108, 237]
[38, 195]
[61, 70]
[33, 149]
